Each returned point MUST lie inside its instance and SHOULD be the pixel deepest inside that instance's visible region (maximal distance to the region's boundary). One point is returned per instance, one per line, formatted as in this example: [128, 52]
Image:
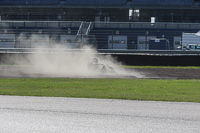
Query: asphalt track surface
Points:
[68, 115]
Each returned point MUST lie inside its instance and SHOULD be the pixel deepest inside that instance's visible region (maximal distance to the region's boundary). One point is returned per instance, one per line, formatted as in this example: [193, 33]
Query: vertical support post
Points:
[28, 15]
[146, 39]
[112, 40]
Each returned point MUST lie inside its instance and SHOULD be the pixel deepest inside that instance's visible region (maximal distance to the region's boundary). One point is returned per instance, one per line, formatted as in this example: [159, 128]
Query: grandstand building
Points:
[106, 24]
[101, 10]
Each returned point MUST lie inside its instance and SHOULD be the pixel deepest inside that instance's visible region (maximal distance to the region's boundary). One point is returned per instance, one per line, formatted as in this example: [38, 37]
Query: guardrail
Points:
[147, 25]
[62, 24]
[35, 24]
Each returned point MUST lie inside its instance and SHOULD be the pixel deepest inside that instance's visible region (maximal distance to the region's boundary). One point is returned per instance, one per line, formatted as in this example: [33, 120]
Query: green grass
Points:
[132, 89]
[175, 67]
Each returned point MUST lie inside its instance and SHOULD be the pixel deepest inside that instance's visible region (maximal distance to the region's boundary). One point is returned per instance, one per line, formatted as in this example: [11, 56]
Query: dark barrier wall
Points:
[159, 60]
[10, 58]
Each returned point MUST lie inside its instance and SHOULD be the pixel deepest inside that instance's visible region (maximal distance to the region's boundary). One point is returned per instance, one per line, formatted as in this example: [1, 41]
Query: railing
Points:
[63, 24]
[37, 31]
[156, 25]
[35, 24]
[80, 29]
[84, 28]
[89, 28]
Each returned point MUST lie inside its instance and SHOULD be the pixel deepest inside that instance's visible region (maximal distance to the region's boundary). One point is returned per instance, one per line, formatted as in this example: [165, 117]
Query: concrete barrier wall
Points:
[158, 60]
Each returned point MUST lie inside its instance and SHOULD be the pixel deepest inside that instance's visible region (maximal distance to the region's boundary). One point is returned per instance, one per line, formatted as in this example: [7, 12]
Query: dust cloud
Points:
[51, 59]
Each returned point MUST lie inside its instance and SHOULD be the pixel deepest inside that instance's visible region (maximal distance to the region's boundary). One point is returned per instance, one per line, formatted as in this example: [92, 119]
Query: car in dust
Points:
[102, 68]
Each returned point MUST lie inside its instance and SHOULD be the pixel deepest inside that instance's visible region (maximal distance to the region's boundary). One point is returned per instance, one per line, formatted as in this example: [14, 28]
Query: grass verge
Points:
[174, 67]
[131, 89]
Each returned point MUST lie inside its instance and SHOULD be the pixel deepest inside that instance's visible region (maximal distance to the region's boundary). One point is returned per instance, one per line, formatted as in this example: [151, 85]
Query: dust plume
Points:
[51, 59]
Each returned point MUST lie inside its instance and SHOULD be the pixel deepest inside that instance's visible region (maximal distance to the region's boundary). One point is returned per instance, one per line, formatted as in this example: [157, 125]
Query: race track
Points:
[69, 115]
